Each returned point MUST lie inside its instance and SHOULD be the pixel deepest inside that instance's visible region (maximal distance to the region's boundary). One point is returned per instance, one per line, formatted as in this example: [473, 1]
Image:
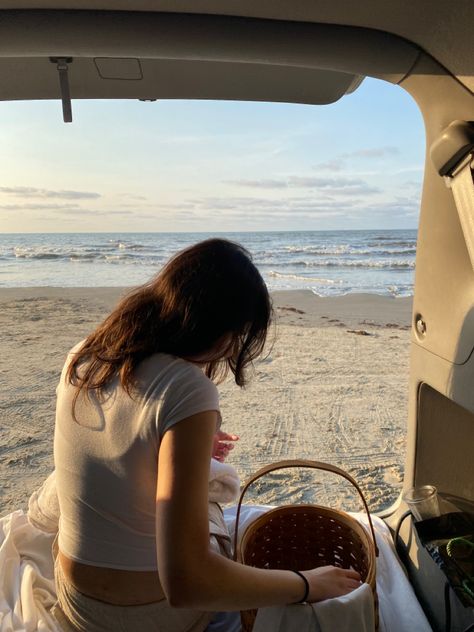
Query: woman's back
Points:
[106, 460]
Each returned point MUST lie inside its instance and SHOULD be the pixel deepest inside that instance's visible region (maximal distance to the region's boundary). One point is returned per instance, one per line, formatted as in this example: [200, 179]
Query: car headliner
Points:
[443, 29]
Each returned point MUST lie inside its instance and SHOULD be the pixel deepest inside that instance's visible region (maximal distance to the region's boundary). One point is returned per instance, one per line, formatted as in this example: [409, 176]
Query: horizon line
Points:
[206, 232]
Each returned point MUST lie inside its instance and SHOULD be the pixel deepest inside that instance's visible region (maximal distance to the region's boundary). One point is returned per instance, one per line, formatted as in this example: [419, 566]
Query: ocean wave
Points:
[39, 255]
[386, 264]
[299, 277]
[400, 290]
[375, 261]
[86, 256]
[125, 246]
[124, 258]
[119, 258]
[408, 250]
[387, 241]
[383, 264]
[319, 250]
[399, 249]
[393, 292]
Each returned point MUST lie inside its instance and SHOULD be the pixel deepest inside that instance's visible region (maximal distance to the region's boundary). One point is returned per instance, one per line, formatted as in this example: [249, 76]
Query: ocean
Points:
[329, 263]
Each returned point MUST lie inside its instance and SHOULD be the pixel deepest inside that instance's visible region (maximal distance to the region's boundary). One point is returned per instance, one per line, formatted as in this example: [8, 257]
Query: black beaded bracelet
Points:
[306, 587]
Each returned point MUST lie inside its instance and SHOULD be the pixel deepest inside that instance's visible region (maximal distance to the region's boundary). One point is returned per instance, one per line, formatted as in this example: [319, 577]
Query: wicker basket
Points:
[300, 537]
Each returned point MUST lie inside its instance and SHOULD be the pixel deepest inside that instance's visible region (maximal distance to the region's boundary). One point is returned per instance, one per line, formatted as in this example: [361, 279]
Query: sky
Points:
[212, 166]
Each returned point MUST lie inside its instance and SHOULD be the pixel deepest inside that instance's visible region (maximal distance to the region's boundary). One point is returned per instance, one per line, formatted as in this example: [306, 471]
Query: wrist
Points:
[304, 598]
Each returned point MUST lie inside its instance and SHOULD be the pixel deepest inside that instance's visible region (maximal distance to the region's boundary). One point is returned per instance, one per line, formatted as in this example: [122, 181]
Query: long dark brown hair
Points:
[206, 293]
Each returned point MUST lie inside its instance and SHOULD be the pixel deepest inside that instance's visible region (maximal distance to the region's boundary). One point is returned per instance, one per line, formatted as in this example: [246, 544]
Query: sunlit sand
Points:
[333, 388]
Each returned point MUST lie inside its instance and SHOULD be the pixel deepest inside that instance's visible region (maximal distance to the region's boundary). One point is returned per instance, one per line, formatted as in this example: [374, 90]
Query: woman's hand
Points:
[327, 582]
[221, 446]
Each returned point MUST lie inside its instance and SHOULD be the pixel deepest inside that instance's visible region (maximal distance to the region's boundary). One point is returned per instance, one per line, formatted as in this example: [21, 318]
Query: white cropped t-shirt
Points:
[106, 462]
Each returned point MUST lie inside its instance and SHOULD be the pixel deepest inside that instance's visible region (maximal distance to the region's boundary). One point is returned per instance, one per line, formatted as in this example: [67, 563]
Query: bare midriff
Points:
[111, 585]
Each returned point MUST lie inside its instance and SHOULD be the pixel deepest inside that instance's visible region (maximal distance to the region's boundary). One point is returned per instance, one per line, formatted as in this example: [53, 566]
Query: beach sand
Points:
[333, 387]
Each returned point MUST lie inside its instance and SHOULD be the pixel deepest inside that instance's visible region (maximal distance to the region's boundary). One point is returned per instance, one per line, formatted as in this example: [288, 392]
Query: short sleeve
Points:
[69, 358]
[190, 393]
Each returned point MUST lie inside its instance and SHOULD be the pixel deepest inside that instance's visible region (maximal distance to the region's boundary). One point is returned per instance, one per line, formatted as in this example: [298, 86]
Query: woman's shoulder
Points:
[172, 368]
[179, 388]
[77, 347]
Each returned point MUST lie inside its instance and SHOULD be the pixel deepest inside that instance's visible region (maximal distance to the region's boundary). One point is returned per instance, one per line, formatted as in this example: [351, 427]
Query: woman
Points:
[137, 415]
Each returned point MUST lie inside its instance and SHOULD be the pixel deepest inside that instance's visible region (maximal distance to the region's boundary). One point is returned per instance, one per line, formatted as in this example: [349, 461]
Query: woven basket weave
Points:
[301, 537]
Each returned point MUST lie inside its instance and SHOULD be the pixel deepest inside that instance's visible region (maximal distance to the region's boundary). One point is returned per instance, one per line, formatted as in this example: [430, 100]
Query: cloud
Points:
[39, 207]
[269, 217]
[32, 192]
[309, 208]
[132, 196]
[79, 211]
[399, 205]
[256, 208]
[174, 206]
[294, 181]
[374, 152]
[171, 207]
[413, 184]
[410, 169]
[263, 183]
[135, 206]
[331, 165]
[334, 186]
[356, 189]
[70, 210]
[322, 183]
[338, 163]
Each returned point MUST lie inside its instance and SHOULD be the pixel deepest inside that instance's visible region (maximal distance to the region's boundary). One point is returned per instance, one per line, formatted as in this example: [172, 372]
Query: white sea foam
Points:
[326, 262]
[320, 250]
[306, 279]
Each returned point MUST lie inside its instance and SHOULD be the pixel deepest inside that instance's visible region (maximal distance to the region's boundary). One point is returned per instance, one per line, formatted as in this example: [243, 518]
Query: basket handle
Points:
[317, 465]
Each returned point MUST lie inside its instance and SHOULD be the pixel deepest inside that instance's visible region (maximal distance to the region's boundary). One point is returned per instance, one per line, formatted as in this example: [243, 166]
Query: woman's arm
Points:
[192, 575]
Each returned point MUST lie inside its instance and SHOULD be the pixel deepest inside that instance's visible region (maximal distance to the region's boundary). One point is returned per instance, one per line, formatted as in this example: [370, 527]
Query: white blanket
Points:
[351, 613]
[27, 585]
[399, 610]
[27, 589]
[224, 482]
